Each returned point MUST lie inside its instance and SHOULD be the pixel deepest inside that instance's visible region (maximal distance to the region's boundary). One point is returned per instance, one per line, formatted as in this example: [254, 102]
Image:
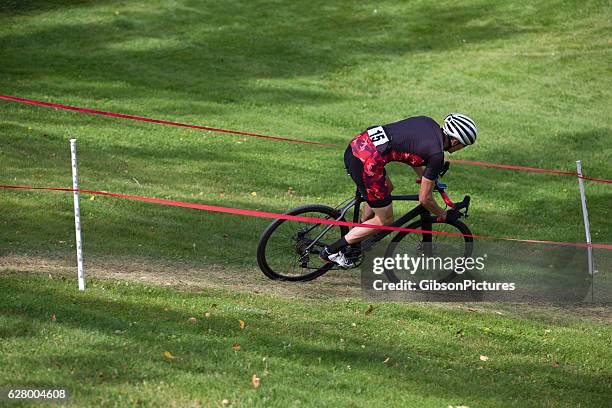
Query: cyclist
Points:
[417, 141]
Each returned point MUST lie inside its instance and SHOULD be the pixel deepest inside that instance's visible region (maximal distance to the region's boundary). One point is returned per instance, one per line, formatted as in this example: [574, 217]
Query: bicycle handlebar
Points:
[440, 188]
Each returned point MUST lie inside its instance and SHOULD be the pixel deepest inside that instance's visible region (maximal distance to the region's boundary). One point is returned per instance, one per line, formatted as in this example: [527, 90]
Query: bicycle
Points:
[289, 251]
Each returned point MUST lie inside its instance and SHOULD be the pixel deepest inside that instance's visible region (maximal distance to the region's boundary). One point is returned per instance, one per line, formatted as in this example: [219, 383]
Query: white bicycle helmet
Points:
[460, 127]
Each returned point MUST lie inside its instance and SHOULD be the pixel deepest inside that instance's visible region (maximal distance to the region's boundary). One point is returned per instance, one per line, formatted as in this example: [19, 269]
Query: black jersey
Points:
[420, 136]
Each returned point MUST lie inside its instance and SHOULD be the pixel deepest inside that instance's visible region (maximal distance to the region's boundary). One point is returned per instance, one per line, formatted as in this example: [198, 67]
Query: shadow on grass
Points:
[123, 333]
[29, 7]
[210, 51]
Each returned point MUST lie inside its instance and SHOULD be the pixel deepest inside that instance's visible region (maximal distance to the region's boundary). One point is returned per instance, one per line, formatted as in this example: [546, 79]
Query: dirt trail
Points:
[188, 275]
[336, 284]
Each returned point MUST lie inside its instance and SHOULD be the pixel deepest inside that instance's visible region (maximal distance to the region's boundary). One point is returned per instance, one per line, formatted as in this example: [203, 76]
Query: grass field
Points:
[107, 345]
[536, 77]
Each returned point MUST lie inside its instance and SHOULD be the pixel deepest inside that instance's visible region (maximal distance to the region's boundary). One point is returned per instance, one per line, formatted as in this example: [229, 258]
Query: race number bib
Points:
[379, 138]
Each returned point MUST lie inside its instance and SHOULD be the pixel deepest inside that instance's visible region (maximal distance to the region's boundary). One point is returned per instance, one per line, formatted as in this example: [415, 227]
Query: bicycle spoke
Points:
[291, 251]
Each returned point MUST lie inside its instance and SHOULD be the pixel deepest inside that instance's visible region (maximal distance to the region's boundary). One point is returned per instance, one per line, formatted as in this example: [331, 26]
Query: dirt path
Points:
[336, 284]
[186, 275]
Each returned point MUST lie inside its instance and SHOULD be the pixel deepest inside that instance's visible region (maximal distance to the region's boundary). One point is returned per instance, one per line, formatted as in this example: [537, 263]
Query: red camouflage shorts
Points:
[366, 166]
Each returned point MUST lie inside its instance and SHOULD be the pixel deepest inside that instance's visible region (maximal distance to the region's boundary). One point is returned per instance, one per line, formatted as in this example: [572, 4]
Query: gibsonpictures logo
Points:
[434, 285]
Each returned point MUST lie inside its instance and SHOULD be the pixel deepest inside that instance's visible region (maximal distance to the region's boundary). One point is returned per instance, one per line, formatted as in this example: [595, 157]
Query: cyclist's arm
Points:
[430, 174]
[426, 197]
[419, 172]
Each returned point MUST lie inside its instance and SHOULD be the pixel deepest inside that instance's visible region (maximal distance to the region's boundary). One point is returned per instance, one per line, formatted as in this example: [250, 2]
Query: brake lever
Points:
[466, 200]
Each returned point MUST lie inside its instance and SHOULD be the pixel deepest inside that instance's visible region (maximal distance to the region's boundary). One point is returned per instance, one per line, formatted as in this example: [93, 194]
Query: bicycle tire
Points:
[262, 260]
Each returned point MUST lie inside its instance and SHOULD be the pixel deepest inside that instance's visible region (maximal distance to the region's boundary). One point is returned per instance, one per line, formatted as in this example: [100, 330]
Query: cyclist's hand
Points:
[451, 215]
[418, 180]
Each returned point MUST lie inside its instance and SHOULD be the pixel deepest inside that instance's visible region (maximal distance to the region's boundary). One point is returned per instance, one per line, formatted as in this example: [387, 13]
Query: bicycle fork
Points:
[426, 225]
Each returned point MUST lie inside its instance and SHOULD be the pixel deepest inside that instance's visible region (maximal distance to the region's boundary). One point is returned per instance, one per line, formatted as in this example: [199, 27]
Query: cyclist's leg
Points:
[376, 190]
[367, 213]
[382, 216]
[378, 193]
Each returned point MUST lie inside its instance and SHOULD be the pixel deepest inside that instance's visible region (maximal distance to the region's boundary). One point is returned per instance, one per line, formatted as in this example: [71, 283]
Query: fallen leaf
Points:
[207, 315]
[387, 360]
[168, 354]
[53, 317]
[225, 402]
[472, 310]
[369, 310]
[483, 358]
[556, 364]
[192, 320]
[242, 324]
[254, 194]
[222, 194]
[255, 381]
[236, 347]
[92, 198]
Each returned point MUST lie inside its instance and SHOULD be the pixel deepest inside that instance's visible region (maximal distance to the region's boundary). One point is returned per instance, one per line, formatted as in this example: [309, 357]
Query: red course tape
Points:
[165, 122]
[263, 214]
[533, 169]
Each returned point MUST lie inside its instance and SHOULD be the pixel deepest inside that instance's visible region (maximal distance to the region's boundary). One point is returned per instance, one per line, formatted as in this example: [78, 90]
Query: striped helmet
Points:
[460, 127]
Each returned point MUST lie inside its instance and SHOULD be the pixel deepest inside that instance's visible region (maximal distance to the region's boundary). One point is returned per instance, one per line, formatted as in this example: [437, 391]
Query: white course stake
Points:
[585, 216]
[77, 215]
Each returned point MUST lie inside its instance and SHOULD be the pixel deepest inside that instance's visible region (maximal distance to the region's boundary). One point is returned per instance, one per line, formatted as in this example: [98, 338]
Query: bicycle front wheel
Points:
[289, 250]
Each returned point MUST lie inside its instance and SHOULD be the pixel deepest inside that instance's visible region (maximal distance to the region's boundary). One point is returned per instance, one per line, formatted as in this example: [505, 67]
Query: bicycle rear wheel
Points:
[287, 250]
[411, 244]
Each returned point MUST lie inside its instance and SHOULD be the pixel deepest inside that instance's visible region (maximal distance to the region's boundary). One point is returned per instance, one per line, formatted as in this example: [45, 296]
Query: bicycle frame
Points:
[419, 210]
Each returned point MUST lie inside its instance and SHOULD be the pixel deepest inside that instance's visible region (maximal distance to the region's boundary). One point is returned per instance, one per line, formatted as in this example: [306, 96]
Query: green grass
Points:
[107, 347]
[536, 76]
[533, 75]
